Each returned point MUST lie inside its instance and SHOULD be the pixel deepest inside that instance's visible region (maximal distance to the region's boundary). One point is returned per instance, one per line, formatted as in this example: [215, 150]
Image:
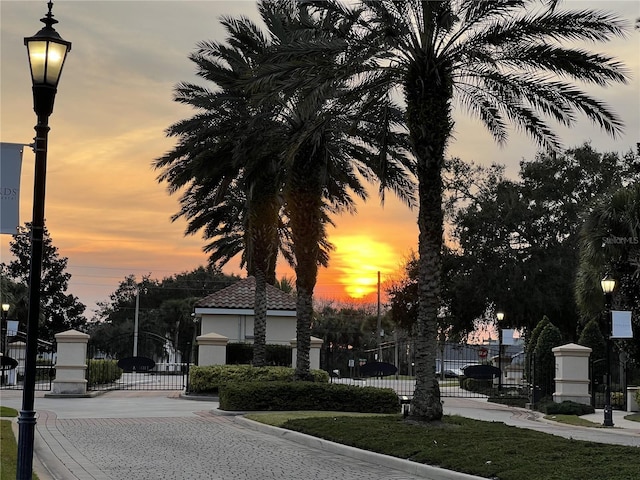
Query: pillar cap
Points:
[71, 336]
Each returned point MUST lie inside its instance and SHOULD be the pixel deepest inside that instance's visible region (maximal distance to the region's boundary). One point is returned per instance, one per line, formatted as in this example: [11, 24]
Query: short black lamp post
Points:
[500, 317]
[608, 285]
[47, 52]
[3, 341]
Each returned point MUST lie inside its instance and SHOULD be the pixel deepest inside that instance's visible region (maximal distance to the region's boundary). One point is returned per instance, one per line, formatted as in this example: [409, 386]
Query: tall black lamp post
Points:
[3, 341]
[47, 52]
[500, 317]
[608, 284]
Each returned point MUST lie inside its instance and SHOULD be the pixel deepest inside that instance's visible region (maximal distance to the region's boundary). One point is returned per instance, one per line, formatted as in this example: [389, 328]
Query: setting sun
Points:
[358, 259]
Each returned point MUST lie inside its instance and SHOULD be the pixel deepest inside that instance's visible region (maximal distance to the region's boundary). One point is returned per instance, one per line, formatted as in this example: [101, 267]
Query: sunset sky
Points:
[104, 209]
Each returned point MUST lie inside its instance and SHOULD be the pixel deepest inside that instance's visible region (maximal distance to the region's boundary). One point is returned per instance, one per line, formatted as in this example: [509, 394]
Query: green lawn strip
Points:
[634, 417]
[486, 449]
[278, 419]
[573, 420]
[8, 412]
[8, 451]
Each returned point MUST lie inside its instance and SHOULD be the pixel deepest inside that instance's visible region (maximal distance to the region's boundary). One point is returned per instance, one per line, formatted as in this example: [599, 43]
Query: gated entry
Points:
[13, 364]
[158, 366]
[347, 366]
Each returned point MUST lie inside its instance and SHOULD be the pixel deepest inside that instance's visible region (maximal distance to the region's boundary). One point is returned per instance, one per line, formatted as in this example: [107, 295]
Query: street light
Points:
[608, 285]
[47, 52]
[3, 341]
[500, 317]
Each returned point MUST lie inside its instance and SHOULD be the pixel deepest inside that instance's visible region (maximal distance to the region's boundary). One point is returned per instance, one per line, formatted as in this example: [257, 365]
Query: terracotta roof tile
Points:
[241, 295]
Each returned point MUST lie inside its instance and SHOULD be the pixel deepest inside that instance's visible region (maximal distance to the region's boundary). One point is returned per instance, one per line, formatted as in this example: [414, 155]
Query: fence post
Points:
[71, 365]
[186, 386]
[212, 349]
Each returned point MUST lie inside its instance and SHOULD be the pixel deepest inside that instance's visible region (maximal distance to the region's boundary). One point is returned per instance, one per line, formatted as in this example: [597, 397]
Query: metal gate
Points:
[157, 365]
[621, 371]
[345, 366]
[13, 364]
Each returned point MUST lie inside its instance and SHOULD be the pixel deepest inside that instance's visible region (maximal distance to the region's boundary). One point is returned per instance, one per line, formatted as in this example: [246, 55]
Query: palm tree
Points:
[231, 177]
[610, 243]
[242, 160]
[332, 143]
[503, 62]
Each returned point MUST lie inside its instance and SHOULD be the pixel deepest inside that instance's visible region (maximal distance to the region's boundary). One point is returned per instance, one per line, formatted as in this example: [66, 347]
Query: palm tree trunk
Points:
[429, 121]
[305, 211]
[260, 320]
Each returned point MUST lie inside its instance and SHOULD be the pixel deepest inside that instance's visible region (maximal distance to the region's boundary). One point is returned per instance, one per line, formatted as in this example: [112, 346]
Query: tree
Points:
[59, 311]
[327, 146]
[517, 240]
[531, 341]
[591, 336]
[550, 337]
[610, 243]
[232, 174]
[164, 309]
[334, 142]
[502, 61]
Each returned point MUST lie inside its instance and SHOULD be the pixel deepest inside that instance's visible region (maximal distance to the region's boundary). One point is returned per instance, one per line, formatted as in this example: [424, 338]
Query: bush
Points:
[566, 408]
[475, 385]
[617, 399]
[103, 371]
[549, 338]
[209, 379]
[638, 396]
[281, 396]
[512, 401]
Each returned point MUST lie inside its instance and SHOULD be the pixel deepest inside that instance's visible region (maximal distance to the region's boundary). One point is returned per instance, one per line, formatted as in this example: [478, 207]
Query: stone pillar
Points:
[632, 405]
[572, 373]
[212, 349]
[314, 353]
[71, 365]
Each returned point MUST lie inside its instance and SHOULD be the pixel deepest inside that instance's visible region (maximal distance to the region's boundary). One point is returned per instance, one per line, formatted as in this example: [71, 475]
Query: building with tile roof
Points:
[229, 313]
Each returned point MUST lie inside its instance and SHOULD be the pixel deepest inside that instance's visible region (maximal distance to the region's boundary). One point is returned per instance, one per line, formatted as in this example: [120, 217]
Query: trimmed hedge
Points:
[282, 396]
[566, 408]
[209, 379]
[103, 371]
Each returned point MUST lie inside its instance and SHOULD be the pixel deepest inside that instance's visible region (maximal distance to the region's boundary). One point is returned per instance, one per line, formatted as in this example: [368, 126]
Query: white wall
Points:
[239, 327]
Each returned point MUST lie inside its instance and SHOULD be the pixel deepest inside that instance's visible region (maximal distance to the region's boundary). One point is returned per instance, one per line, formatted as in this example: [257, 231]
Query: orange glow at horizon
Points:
[357, 260]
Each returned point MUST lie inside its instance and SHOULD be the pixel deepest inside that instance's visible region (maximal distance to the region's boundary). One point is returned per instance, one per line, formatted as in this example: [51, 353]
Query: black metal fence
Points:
[13, 364]
[157, 366]
[621, 373]
[347, 366]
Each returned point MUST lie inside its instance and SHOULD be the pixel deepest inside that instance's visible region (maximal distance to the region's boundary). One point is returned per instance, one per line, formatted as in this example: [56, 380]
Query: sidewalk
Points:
[624, 432]
[142, 435]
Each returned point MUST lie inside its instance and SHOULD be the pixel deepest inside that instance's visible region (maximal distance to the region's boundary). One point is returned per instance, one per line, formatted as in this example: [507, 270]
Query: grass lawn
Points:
[634, 417]
[485, 449]
[8, 447]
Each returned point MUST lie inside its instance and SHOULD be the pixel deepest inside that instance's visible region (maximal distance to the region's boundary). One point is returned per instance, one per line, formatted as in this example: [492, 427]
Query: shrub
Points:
[103, 371]
[566, 408]
[210, 378]
[475, 385]
[512, 401]
[530, 345]
[617, 399]
[281, 396]
[549, 338]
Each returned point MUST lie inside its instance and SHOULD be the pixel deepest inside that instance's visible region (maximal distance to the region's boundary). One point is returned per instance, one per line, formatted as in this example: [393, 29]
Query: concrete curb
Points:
[406, 466]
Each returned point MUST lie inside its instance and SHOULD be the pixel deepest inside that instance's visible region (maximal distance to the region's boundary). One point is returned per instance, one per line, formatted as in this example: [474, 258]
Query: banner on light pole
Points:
[621, 324]
[10, 167]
